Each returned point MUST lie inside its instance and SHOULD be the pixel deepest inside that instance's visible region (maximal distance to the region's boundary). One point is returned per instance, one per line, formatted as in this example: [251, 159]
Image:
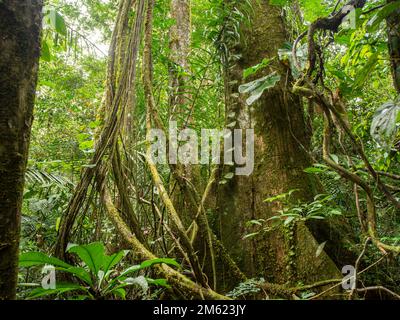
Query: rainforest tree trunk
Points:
[180, 38]
[180, 101]
[393, 26]
[286, 254]
[20, 25]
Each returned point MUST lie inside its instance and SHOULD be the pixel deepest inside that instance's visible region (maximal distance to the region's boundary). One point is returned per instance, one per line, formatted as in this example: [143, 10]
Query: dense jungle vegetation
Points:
[85, 211]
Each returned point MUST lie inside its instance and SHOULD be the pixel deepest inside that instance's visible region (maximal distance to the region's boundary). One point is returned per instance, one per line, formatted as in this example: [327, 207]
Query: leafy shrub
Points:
[96, 276]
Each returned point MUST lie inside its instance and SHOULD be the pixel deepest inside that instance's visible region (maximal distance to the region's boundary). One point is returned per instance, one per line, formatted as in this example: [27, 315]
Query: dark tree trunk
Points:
[20, 25]
[393, 25]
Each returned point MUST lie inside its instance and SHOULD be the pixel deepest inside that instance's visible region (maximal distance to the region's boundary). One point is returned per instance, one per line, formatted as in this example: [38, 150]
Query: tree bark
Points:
[393, 26]
[180, 106]
[20, 26]
[180, 38]
[281, 140]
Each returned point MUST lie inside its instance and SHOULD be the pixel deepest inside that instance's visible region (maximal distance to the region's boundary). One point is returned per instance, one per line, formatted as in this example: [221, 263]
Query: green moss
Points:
[290, 258]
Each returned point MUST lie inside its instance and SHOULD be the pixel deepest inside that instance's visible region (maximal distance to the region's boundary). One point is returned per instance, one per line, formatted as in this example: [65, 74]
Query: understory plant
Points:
[96, 276]
[322, 207]
[291, 212]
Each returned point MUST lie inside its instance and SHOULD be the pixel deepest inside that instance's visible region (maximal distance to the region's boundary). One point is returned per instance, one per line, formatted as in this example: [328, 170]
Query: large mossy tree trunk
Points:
[286, 254]
[20, 25]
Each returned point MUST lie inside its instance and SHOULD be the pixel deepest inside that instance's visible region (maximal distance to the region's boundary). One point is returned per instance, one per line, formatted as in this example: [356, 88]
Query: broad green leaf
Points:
[30, 259]
[45, 52]
[158, 282]
[281, 196]
[61, 288]
[147, 264]
[252, 70]
[364, 73]
[92, 255]
[150, 263]
[255, 222]
[119, 292]
[323, 197]
[250, 235]
[57, 21]
[80, 273]
[313, 9]
[335, 212]
[111, 261]
[130, 270]
[58, 222]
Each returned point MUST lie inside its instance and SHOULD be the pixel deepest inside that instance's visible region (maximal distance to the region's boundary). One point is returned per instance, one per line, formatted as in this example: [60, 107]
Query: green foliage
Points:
[294, 211]
[321, 208]
[317, 168]
[313, 9]
[253, 70]
[374, 23]
[34, 258]
[231, 16]
[56, 20]
[245, 289]
[96, 275]
[68, 115]
[283, 196]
